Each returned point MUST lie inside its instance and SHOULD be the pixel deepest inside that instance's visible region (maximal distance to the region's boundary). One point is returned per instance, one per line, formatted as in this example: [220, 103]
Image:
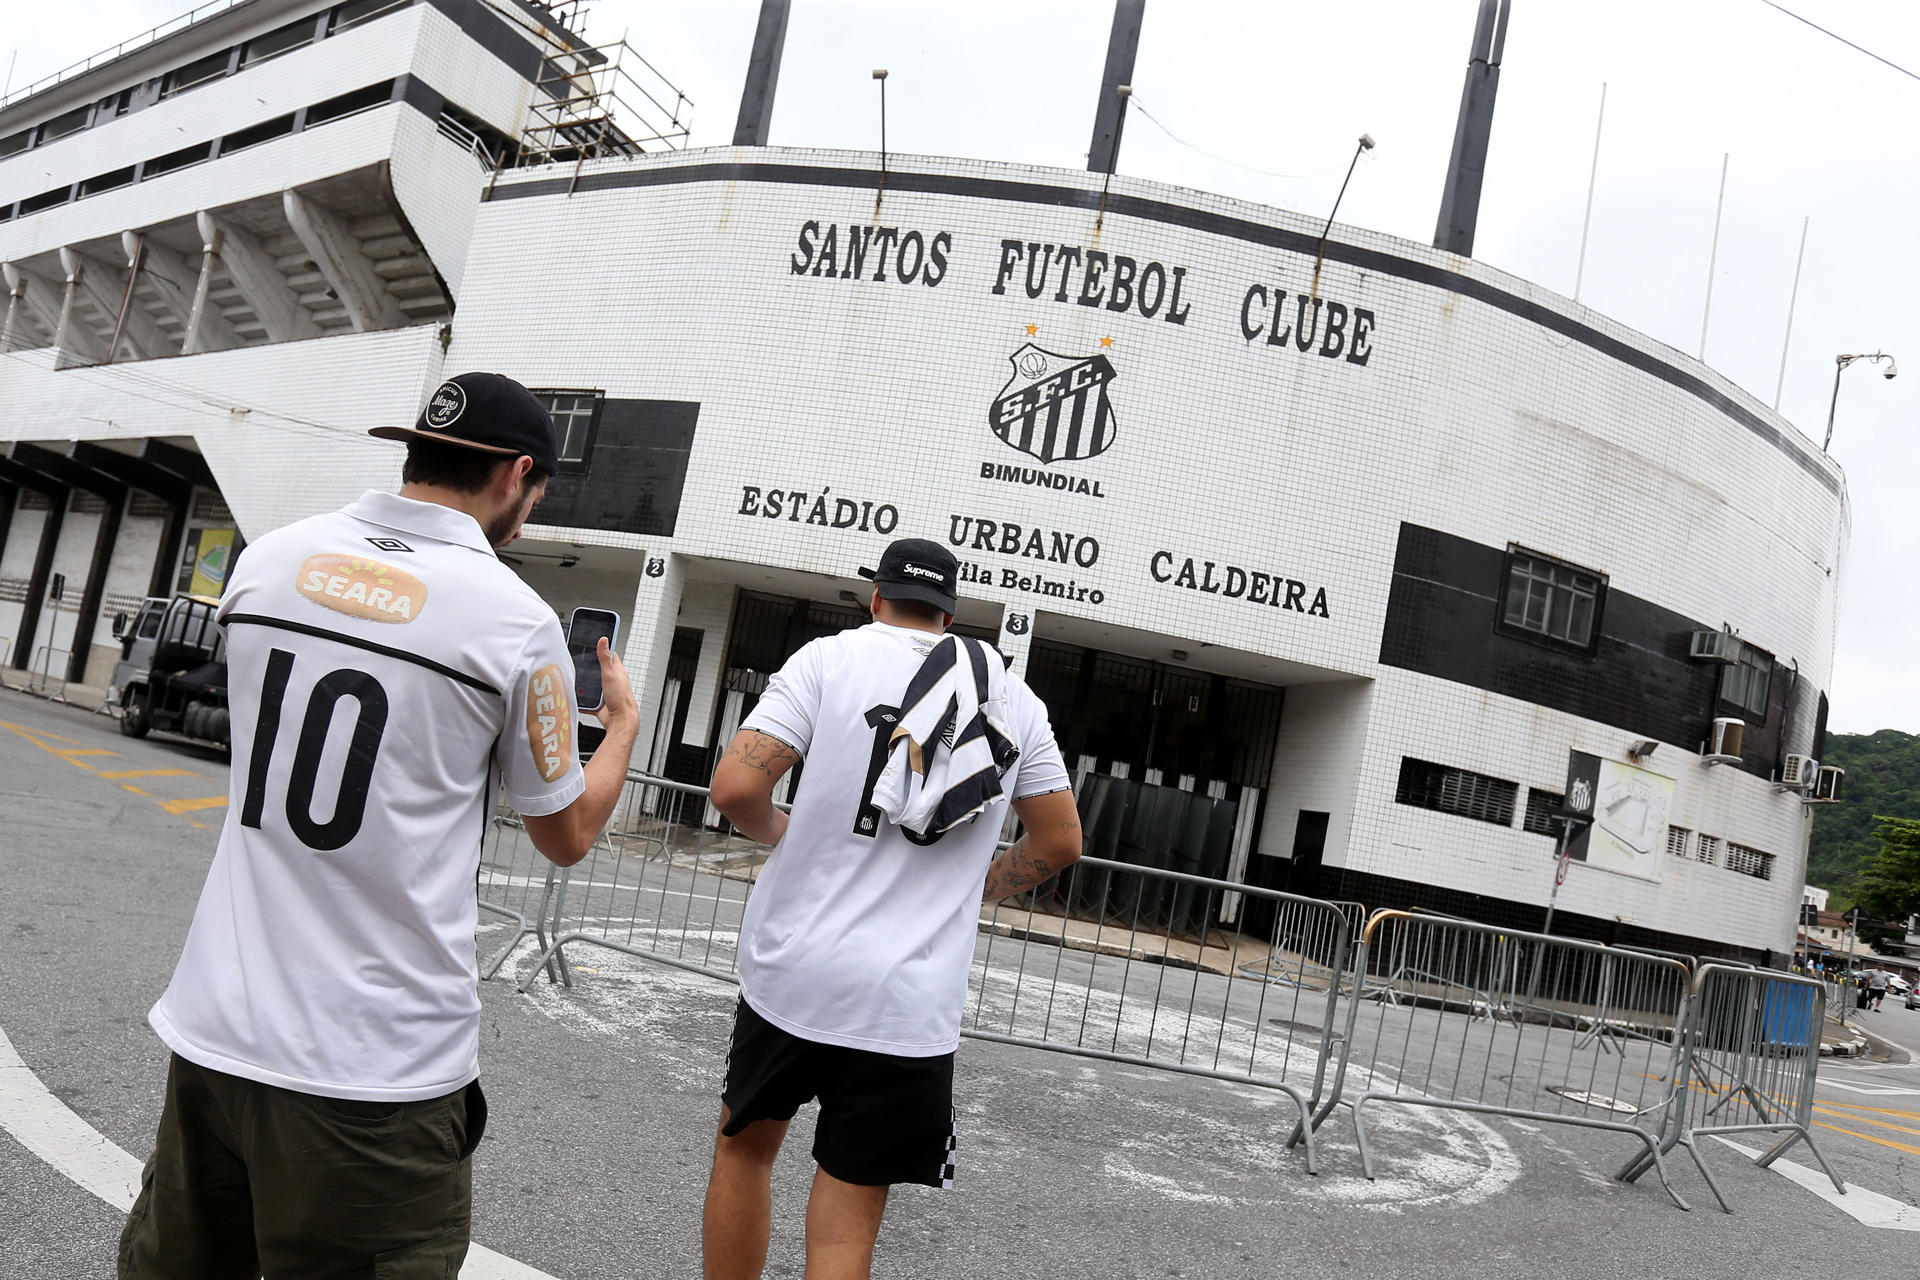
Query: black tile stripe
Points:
[1219, 224]
[305, 629]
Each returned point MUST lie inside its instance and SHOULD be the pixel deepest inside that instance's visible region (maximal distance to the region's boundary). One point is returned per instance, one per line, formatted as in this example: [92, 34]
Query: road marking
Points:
[178, 807]
[1857, 1118]
[1869, 1208]
[50, 1129]
[71, 753]
[1882, 1090]
[1907, 1147]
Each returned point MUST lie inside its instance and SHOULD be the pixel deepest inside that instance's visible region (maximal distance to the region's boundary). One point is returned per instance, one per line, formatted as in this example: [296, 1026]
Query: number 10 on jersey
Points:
[356, 774]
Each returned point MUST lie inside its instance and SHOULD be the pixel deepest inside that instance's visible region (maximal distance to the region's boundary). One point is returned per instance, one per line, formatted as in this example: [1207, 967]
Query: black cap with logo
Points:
[487, 412]
[916, 569]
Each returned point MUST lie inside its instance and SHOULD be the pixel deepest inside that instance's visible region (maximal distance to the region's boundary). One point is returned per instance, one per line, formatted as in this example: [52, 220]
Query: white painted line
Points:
[50, 1129]
[1868, 1208]
[1879, 1090]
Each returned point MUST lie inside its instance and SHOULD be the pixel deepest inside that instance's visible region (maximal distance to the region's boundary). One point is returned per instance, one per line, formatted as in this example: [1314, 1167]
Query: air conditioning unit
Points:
[1724, 746]
[1798, 771]
[1827, 784]
[1716, 646]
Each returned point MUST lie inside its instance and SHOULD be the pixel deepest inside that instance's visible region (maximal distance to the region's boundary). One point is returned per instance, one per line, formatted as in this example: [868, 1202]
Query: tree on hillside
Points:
[1883, 779]
[1890, 881]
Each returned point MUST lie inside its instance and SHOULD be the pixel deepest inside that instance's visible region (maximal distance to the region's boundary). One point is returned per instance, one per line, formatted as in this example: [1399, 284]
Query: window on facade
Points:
[177, 160]
[14, 143]
[196, 73]
[60, 126]
[1457, 791]
[1677, 842]
[1552, 600]
[1745, 684]
[1540, 809]
[573, 420]
[375, 95]
[254, 135]
[358, 11]
[274, 43]
[1749, 862]
[1707, 849]
[107, 181]
[45, 200]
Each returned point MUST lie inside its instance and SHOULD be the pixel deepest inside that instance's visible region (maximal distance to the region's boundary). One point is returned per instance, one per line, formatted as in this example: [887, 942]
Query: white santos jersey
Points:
[382, 665]
[854, 935]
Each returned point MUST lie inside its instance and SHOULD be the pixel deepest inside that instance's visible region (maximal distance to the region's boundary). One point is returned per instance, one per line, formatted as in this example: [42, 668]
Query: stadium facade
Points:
[1324, 583]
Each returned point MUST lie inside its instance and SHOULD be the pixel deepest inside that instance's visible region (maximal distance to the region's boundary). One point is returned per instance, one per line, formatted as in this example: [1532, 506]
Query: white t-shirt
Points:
[855, 936]
[382, 665]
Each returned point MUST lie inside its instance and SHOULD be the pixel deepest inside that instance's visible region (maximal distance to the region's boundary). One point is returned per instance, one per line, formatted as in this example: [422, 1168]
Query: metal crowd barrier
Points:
[1109, 960]
[1116, 978]
[1471, 1017]
[1750, 1052]
[40, 676]
[518, 883]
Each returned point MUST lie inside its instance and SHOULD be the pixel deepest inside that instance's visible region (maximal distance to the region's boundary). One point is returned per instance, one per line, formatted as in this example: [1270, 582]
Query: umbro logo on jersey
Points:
[390, 544]
[448, 403]
[361, 588]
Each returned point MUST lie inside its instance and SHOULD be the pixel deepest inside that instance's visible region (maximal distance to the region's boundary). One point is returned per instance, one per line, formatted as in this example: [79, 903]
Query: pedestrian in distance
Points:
[858, 936]
[387, 675]
[1877, 978]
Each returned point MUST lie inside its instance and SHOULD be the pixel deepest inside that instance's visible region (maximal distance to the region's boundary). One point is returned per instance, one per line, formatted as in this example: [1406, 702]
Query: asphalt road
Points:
[603, 1101]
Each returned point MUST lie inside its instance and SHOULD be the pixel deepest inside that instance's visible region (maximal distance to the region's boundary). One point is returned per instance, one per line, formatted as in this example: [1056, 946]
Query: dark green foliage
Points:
[1883, 781]
[1890, 880]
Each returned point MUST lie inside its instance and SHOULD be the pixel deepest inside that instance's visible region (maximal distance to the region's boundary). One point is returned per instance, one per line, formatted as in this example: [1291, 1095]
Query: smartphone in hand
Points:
[584, 632]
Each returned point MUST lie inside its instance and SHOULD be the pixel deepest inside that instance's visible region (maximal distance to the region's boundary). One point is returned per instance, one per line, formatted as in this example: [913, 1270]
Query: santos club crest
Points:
[1055, 407]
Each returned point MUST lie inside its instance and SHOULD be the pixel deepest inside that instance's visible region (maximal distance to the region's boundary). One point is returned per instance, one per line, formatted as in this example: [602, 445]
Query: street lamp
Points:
[1840, 367]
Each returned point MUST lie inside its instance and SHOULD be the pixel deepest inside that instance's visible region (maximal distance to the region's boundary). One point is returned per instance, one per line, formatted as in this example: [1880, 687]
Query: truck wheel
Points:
[133, 717]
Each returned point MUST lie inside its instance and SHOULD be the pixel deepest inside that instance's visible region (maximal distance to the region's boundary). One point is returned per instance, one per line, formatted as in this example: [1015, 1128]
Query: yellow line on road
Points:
[1820, 1109]
[178, 807]
[34, 735]
[117, 774]
[1907, 1147]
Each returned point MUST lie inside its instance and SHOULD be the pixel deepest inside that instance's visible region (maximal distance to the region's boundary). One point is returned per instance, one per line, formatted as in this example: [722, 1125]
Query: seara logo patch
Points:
[362, 588]
[1055, 407]
[549, 722]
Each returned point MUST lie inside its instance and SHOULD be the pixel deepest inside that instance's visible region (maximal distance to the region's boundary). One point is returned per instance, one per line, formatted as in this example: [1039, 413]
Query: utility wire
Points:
[1141, 108]
[1842, 39]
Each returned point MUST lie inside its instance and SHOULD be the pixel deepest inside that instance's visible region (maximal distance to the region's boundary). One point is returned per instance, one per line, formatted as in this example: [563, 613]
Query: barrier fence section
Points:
[1471, 1017]
[1109, 960]
[1131, 967]
[518, 883]
[1750, 1052]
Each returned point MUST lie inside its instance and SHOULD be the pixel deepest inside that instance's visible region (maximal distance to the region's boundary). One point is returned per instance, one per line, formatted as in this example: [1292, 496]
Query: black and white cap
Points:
[488, 412]
[916, 569]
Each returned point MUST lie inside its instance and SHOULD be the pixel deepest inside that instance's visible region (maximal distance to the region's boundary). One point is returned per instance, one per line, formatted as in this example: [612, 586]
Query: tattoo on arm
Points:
[1018, 869]
[761, 751]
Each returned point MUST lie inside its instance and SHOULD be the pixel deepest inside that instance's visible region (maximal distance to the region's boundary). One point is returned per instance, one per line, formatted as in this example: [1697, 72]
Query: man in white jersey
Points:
[386, 674]
[858, 935]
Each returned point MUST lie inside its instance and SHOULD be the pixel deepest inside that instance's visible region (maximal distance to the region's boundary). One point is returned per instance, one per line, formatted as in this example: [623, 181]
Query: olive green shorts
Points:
[247, 1181]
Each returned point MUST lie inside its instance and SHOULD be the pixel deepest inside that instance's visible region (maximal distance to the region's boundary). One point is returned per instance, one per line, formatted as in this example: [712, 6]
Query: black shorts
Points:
[883, 1119]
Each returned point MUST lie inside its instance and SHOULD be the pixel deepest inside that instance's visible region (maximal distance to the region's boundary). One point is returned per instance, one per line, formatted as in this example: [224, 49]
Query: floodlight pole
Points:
[1320, 250]
[880, 74]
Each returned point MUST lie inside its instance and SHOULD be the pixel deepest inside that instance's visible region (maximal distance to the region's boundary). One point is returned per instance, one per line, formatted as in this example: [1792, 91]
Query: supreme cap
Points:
[486, 412]
[915, 569]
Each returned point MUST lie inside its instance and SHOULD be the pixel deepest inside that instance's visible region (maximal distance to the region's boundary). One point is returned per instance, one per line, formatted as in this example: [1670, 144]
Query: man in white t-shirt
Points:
[387, 674]
[858, 935]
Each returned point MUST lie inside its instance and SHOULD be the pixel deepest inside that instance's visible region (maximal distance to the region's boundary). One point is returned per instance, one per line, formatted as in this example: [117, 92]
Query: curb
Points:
[1856, 1048]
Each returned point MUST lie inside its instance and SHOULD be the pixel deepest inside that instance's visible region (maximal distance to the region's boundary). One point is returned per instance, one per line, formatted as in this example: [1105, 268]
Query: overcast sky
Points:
[1814, 129]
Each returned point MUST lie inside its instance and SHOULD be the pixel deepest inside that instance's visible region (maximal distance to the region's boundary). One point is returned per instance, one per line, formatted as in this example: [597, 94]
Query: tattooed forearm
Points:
[761, 751]
[1019, 868]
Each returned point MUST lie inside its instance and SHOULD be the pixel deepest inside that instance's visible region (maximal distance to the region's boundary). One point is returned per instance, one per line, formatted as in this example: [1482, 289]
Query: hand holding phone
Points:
[585, 631]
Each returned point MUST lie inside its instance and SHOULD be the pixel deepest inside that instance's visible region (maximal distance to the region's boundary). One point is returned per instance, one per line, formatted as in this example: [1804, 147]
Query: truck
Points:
[172, 674]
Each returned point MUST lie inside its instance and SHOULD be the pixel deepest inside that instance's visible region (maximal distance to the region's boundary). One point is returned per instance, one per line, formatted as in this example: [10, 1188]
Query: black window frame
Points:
[1542, 805]
[173, 84]
[338, 20]
[1438, 788]
[1517, 553]
[283, 39]
[548, 396]
[1752, 659]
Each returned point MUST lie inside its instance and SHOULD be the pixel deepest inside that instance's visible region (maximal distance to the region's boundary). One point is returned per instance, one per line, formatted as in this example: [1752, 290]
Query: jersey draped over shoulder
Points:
[856, 935]
[385, 673]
